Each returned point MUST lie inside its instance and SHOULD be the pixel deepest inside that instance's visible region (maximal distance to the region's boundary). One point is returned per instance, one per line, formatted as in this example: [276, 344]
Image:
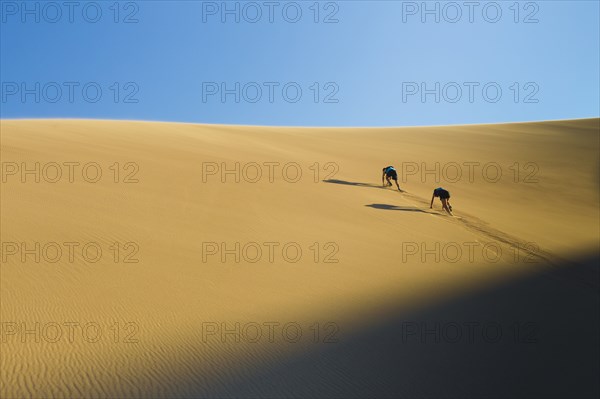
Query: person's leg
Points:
[397, 185]
[445, 205]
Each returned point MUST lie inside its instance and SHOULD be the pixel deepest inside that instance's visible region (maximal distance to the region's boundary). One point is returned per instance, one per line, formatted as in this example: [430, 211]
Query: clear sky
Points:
[302, 63]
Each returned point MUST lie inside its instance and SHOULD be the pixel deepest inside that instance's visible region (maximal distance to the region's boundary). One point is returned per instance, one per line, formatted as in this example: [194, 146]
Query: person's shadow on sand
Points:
[396, 208]
[357, 184]
[351, 183]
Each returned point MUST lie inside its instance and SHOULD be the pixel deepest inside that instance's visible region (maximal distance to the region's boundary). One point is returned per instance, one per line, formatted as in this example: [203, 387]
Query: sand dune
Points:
[280, 231]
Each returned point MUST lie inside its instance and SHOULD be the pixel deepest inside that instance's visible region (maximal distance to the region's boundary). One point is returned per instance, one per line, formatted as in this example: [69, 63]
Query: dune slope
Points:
[157, 259]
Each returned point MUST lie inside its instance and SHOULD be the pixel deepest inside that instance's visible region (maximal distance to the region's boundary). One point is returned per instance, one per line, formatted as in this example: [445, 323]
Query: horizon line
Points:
[296, 126]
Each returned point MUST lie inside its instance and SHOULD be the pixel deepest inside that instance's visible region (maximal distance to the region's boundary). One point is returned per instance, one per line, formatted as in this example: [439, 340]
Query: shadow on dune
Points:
[535, 336]
[396, 208]
[350, 183]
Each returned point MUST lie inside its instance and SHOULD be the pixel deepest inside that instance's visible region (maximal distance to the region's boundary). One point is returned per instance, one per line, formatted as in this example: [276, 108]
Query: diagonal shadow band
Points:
[553, 353]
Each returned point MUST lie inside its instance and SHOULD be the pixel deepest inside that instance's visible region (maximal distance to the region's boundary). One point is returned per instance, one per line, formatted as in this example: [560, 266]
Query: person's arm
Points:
[431, 205]
[382, 178]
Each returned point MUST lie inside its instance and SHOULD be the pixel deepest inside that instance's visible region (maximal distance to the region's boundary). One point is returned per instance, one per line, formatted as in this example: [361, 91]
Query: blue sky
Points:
[302, 63]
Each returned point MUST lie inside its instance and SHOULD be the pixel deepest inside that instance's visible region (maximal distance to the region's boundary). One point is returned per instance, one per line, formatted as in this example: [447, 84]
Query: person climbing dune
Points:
[444, 197]
[390, 173]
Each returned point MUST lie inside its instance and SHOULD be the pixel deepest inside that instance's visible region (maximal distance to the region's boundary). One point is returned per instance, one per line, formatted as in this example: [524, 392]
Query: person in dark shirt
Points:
[444, 196]
[390, 173]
